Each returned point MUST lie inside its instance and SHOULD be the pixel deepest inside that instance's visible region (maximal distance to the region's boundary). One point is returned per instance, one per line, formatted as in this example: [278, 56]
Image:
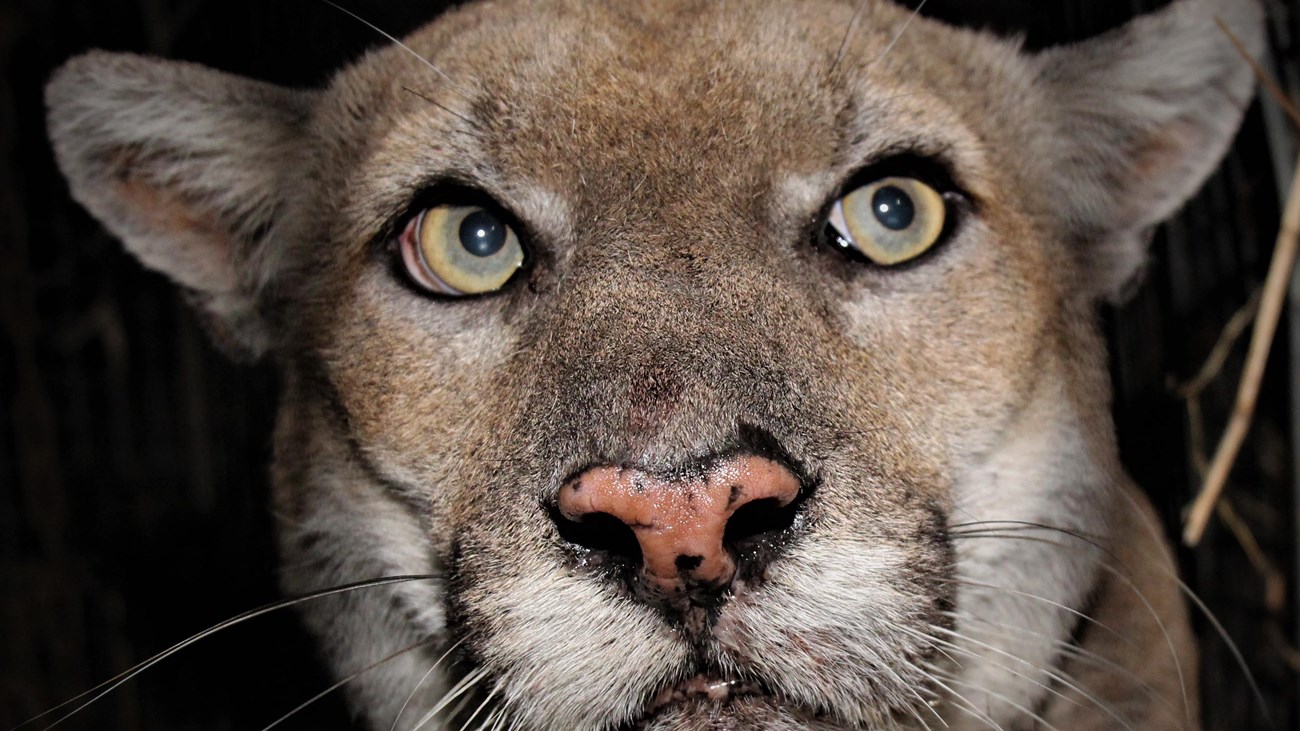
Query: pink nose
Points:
[680, 524]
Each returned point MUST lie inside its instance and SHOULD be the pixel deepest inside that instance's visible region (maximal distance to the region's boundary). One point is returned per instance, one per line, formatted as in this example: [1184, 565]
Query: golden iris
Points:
[461, 250]
[891, 220]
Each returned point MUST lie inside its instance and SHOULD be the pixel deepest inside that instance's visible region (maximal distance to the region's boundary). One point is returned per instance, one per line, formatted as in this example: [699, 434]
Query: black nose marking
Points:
[688, 563]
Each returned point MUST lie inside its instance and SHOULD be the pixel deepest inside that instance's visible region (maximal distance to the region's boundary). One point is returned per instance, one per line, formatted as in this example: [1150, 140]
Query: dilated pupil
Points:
[482, 234]
[893, 208]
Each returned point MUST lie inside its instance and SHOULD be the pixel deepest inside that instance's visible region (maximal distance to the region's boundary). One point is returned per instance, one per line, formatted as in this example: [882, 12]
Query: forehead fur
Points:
[616, 103]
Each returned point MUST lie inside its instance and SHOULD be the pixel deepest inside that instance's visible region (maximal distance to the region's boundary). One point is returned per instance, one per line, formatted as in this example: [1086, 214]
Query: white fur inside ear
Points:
[1140, 117]
[185, 165]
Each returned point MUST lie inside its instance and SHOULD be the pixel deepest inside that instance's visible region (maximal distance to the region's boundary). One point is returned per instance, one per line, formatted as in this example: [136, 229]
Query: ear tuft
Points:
[188, 167]
[1142, 116]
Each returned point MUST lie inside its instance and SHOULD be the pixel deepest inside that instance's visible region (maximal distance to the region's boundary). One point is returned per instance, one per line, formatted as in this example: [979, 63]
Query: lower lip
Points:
[701, 688]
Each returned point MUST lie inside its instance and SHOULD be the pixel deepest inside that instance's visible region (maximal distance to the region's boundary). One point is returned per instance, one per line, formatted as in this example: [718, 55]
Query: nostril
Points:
[757, 519]
[600, 532]
[682, 531]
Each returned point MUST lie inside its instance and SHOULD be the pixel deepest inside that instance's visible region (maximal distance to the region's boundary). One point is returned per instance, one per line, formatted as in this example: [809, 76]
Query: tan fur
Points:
[667, 163]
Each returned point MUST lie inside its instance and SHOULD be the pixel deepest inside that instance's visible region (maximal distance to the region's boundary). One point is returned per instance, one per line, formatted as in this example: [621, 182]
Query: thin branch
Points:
[1261, 339]
[1263, 75]
[1222, 349]
[1196, 436]
[1274, 582]
[1270, 310]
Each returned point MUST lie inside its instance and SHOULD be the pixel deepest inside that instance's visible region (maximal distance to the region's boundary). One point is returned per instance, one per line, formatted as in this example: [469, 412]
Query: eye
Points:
[460, 250]
[889, 221]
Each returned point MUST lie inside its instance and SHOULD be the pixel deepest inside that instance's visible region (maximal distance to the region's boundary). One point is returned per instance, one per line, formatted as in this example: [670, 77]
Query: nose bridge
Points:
[688, 243]
[658, 348]
[660, 306]
[675, 288]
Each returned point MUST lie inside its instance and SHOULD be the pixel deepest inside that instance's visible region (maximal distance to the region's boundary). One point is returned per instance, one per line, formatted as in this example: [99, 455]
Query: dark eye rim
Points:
[933, 171]
[455, 194]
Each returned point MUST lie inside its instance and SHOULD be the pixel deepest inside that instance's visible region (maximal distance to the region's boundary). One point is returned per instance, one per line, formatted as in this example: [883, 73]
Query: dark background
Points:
[133, 506]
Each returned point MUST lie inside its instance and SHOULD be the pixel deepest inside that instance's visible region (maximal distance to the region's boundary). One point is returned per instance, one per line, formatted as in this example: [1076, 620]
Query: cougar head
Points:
[669, 351]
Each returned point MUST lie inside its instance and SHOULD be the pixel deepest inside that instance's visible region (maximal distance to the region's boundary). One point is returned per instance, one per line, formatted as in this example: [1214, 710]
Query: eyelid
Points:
[446, 190]
[933, 169]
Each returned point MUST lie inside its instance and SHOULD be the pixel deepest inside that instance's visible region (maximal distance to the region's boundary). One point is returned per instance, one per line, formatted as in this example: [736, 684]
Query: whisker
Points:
[1204, 609]
[460, 706]
[1110, 567]
[928, 706]
[466, 683]
[887, 667]
[481, 706]
[500, 719]
[917, 714]
[958, 648]
[1029, 524]
[1027, 711]
[848, 32]
[423, 60]
[113, 683]
[1059, 675]
[348, 679]
[1045, 600]
[1015, 632]
[901, 31]
[426, 676]
[441, 106]
[514, 723]
[1164, 631]
[396, 41]
[1232, 648]
[967, 706]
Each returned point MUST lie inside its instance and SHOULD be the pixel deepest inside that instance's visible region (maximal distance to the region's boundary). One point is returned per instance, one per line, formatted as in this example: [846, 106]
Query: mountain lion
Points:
[694, 365]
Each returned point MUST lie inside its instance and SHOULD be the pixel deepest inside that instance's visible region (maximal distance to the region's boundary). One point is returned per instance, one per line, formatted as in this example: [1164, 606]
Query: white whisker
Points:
[848, 33]
[398, 42]
[426, 676]
[965, 705]
[451, 84]
[486, 699]
[1029, 712]
[347, 679]
[901, 31]
[1045, 600]
[113, 683]
[1110, 566]
[957, 648]
[1058, 675]
[1014, 632]
[456, 691]
[1201, 606]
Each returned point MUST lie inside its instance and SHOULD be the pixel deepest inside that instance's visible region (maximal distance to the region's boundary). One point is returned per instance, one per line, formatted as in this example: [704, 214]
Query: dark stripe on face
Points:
[317, 382]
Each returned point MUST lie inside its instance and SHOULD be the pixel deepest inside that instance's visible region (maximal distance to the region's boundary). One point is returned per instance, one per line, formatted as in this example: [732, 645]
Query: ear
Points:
[1141, 117]
[188, 167]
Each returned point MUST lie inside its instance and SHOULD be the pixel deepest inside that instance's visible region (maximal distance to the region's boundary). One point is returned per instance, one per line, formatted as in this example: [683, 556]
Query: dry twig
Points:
[1222, 349]
[1262, 74]
[1261, 339]
[1270, 310]
[1274, 582]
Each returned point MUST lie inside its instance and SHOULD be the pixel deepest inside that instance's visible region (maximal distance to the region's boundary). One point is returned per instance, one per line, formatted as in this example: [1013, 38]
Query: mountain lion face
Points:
[723, 365]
